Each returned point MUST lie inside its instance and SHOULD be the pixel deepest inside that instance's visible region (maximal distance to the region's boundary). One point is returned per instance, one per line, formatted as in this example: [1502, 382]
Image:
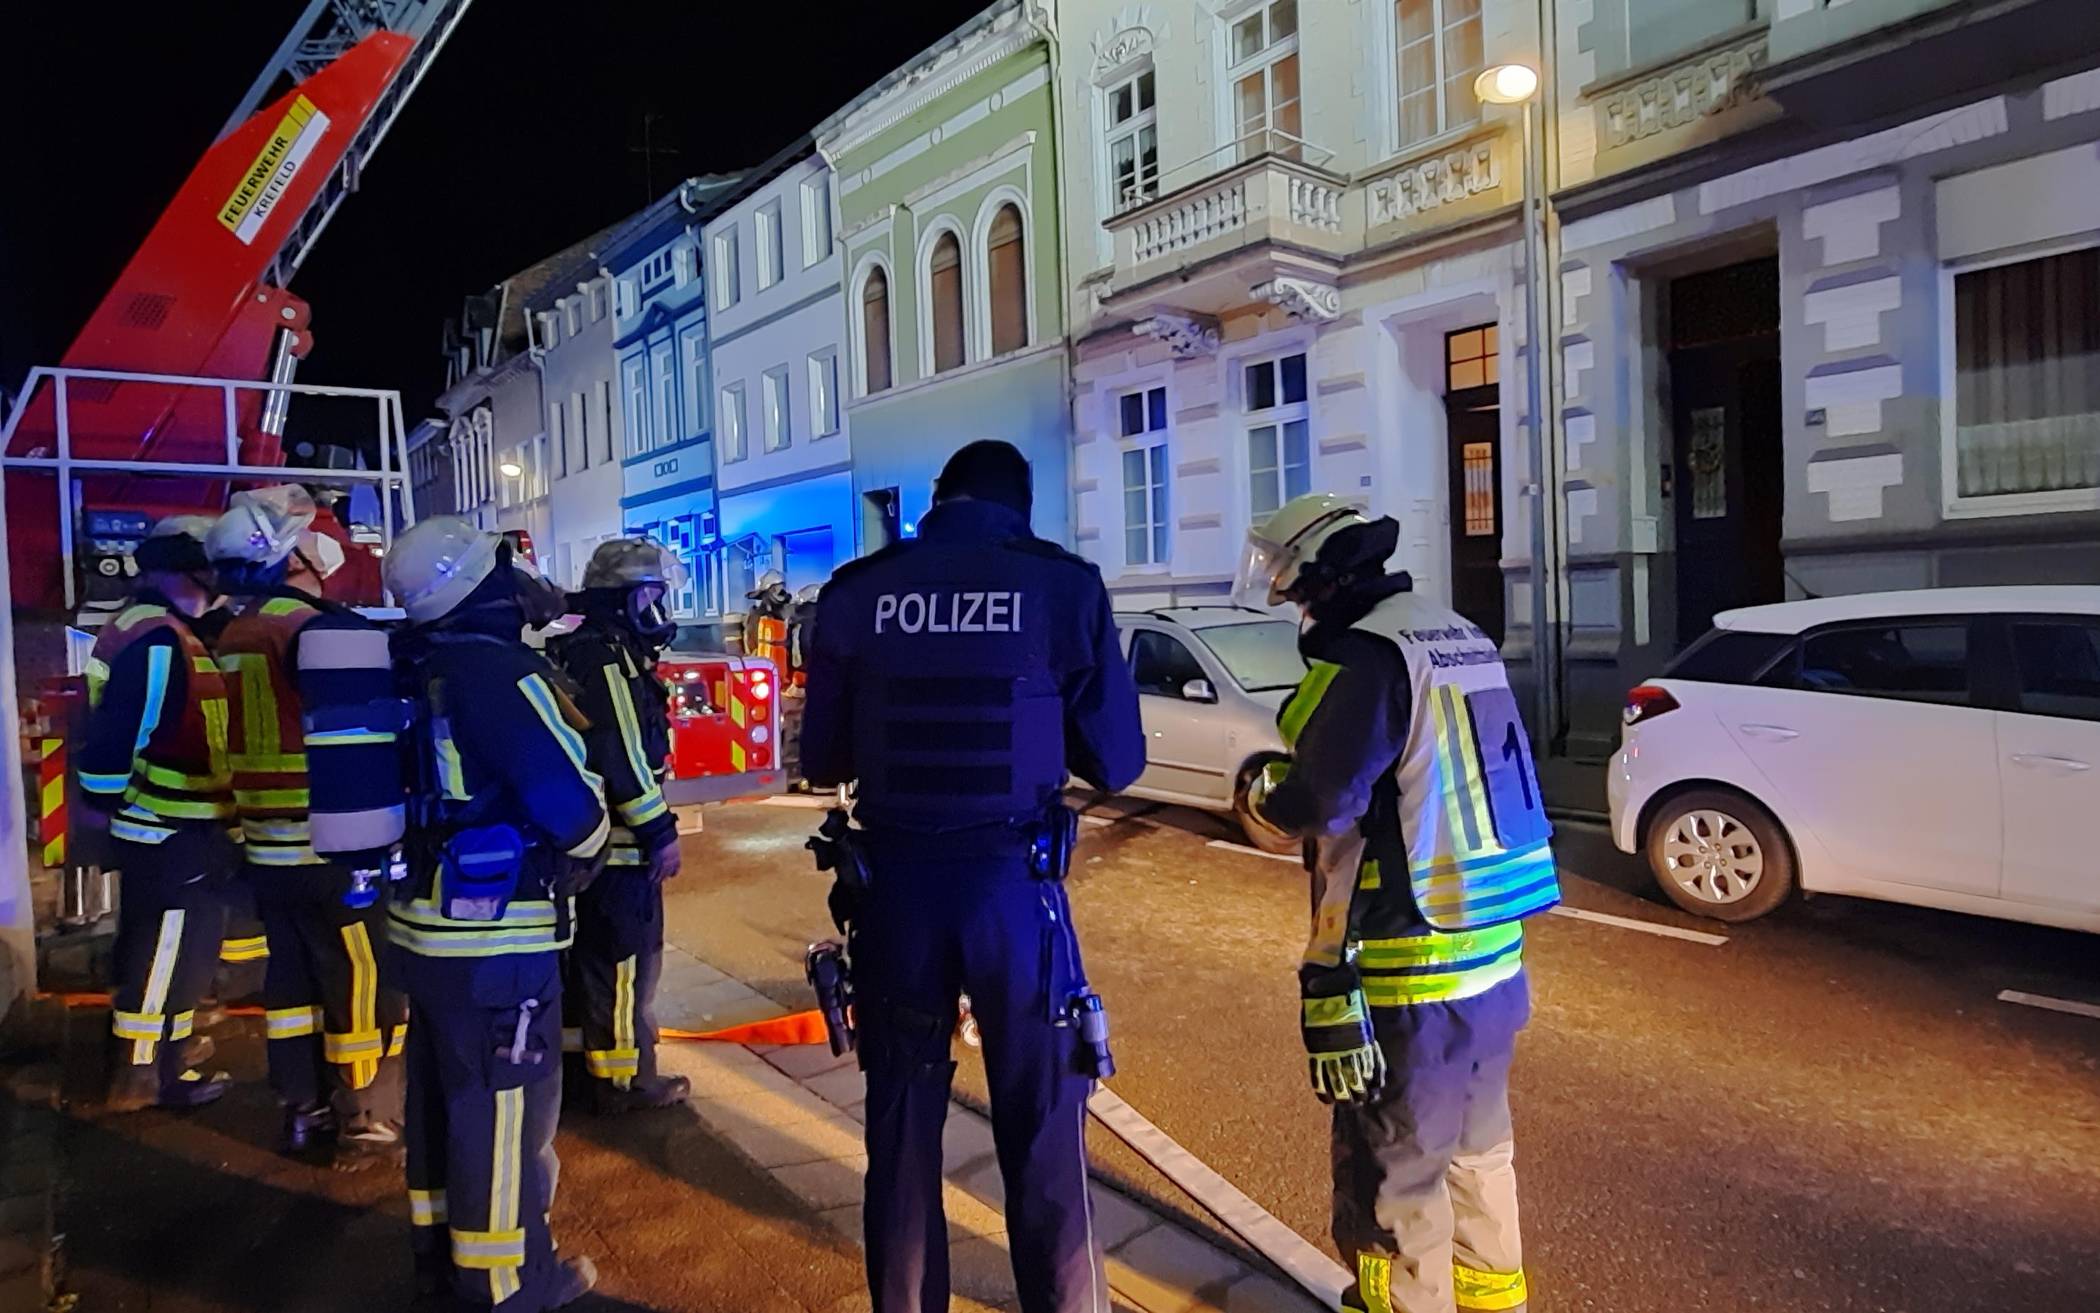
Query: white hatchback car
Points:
[1939, 748]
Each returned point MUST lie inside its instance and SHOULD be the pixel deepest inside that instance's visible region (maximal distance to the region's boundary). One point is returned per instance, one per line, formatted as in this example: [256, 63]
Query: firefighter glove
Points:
[665, 861]
[1342, 1054]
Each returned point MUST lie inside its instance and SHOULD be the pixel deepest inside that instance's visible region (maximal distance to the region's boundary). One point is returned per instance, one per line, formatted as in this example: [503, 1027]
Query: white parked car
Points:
[1938, 748]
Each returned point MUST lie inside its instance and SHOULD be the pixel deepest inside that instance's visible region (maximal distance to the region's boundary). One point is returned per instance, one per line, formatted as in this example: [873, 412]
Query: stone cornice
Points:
[925, 80]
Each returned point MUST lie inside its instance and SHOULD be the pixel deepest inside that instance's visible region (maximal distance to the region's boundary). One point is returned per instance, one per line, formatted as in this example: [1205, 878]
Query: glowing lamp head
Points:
[1507, 84]
[510, 469]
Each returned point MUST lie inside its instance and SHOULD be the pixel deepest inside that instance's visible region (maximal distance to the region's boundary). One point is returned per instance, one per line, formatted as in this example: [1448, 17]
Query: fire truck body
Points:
[725, 728]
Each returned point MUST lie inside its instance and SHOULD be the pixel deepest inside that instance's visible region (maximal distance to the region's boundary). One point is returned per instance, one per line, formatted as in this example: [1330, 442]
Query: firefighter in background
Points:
[335, 1027]
[958, 676]
[1411, 780]
[505, 823]
[613, 969]
[766, 622]
[154, 765]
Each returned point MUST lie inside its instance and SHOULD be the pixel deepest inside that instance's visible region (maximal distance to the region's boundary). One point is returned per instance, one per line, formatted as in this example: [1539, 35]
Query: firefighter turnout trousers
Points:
[484, 1094]
[613, 969]
[244, 952]
[170, 915]
[336, 1022]
[1425, 1196]
[934, 928]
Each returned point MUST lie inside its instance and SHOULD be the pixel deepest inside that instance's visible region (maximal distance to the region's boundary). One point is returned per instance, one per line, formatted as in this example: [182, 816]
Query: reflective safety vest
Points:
[1463, 817]
[178, 768]
[266, 745]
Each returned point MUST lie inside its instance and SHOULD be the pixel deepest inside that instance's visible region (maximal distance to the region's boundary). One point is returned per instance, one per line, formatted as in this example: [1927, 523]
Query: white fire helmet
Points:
[261, 526]
[1279, 547]
[624, 562]
[436, 563]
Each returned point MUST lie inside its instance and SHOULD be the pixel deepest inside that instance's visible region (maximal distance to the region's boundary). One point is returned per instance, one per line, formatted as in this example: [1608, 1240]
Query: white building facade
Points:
[572, 332]
[776, 323]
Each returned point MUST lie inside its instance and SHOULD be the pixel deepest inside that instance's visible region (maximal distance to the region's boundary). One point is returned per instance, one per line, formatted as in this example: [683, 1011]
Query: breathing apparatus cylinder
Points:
[354, 720]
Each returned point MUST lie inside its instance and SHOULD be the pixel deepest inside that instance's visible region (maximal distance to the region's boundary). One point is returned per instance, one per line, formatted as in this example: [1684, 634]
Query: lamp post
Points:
[1517, 85]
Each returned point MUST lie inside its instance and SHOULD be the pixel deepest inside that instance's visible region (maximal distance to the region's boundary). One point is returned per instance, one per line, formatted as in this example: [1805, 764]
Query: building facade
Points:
[1295, 266]
[571, 323]
[948, 231]
[662, 384]
[1829, 310]
[776, 333]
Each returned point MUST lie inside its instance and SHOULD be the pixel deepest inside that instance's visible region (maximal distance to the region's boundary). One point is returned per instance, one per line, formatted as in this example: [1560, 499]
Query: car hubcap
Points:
[1713, 857]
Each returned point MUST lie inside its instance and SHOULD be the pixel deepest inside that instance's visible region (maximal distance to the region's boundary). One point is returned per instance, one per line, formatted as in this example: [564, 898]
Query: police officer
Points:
[505, 822]
[154, 765]
[613, 969]
[957, 676]
[1411, 780]
[335, 1026]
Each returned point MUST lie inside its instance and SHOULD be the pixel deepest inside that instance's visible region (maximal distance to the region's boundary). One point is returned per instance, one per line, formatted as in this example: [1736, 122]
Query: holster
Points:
[842, 850]
[1051, 839]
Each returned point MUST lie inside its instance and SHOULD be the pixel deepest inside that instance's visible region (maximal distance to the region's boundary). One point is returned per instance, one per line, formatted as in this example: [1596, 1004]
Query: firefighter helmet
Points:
[174, 546]
[261, 526]
[1280, 547]
[436, 563]
[625, 562]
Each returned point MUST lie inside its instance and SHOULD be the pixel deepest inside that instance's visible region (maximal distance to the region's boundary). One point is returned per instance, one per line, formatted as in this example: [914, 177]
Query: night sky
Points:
[523, 138]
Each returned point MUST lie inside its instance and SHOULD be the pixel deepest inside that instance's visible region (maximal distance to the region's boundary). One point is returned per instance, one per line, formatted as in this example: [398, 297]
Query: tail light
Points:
[761, 688]
[1646, 703]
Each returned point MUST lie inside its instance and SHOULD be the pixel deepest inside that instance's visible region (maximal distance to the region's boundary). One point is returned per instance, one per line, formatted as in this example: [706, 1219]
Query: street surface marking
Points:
[805, 801]
[2048, 1004]
[1232, 847]
[1646, 927]
[1091, 819]
[1296, 1256]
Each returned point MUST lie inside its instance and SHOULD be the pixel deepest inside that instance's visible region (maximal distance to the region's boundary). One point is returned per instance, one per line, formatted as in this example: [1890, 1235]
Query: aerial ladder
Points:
[179, 387]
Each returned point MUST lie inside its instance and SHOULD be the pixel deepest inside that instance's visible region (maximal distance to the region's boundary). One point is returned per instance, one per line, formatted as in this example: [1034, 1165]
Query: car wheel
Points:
[1717, 853]
[1259, 833]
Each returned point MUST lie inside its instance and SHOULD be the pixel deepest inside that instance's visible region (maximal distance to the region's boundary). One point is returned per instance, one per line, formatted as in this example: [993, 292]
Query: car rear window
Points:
[1729, 656]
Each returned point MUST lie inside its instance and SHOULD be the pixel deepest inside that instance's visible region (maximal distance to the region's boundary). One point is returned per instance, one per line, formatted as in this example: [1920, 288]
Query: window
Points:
[1142, 424]
[1263, 48]
[1279, 438]
[666, 417]
[579, 433]
[1471, 359]
[657, 267]
[1161, 665]
[770, 259]
[550, 330]
[573, 308]
[1133, 142]
[875, 332]
[597, 299]
[698, 381]
[1007, 269]
[628, 295]
[945, 301]
[2059, 668]
[558, 430]
[726, 285]
[1261, 656]
[605, 416]
[2027, 377]
[1729, 656]
[823, 393]
[1440, 55]
[730, 416]
[779, 432]
[1914, 663]
[637, 408]
[816, 219]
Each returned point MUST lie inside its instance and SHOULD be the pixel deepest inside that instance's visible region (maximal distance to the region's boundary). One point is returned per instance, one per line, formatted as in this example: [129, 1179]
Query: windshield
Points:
[1261, 656]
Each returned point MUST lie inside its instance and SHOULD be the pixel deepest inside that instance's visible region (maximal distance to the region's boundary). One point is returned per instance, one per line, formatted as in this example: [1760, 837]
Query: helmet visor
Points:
[1257, 583]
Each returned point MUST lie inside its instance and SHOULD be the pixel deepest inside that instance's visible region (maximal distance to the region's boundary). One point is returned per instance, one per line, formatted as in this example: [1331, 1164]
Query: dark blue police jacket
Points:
[959, 675]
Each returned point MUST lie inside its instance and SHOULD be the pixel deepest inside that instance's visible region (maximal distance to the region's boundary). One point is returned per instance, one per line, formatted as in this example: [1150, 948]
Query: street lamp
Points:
[510, 469]
[1517, 85]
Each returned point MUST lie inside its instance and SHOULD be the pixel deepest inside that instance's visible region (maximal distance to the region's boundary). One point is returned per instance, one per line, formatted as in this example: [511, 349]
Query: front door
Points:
[1186, 742]
[1473, 421]
[1726, 480]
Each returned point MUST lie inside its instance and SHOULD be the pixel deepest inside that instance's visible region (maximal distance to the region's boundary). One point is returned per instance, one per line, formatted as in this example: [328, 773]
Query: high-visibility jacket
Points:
[1450, 802]
[266, 743]
[629, 739]
[156, 739]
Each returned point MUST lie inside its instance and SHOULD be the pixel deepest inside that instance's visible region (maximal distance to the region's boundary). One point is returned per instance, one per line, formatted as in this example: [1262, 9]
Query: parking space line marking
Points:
[1232, 847]
[2048, 1004]
[1299, 1259]
[1645, 927]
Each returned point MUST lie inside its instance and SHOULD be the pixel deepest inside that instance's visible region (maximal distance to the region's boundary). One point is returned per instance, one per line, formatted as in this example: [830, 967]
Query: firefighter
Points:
[505, 823]
[335, 1026]
[1411, 780]
[766, 623]
[154, 770]
[958, 676]
[613, 969]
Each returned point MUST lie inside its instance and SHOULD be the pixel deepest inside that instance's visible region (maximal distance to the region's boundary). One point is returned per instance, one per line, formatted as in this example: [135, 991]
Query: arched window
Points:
[875, 331]
[1004, 259]
[945, 294]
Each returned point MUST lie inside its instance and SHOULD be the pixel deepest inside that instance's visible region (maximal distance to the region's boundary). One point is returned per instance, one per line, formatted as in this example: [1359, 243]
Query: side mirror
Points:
[1198, 690]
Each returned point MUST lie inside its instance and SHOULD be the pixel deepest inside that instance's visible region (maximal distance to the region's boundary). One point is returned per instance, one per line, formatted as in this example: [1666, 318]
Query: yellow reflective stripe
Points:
[490, 1251]
[1298, 711]
[1465, 794]
[644, 809]
[427, 1208]
[344, 737]
[276, 829]
[204, 665]
[1486, 866]
[471, 943]
[140, 611]
[106, 784]
[181, 809]
[267, 763]
[283, 606]
[291, 1023]
[1334, 1011]
[175, 779]
[533, 914]
[165, 950]
[265, 855]
[543, 701]
[127, 828]
[503, 1244]
[1488, 1290]
[259, 736]
[595, 840]
[399, 1042]
[452, 774]
[630, 726]
[300, 799]
[244, 948]
[620, 1066]
[361, 1049]
[136, 1025]
[1443, 987]
[182, 1025]
[1374, 1281]
[624, 1019]
[215, 740]
[1437, 949]
[97, 672]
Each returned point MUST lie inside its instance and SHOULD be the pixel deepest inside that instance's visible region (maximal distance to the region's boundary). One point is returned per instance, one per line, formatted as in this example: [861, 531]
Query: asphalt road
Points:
[1830, 1111]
